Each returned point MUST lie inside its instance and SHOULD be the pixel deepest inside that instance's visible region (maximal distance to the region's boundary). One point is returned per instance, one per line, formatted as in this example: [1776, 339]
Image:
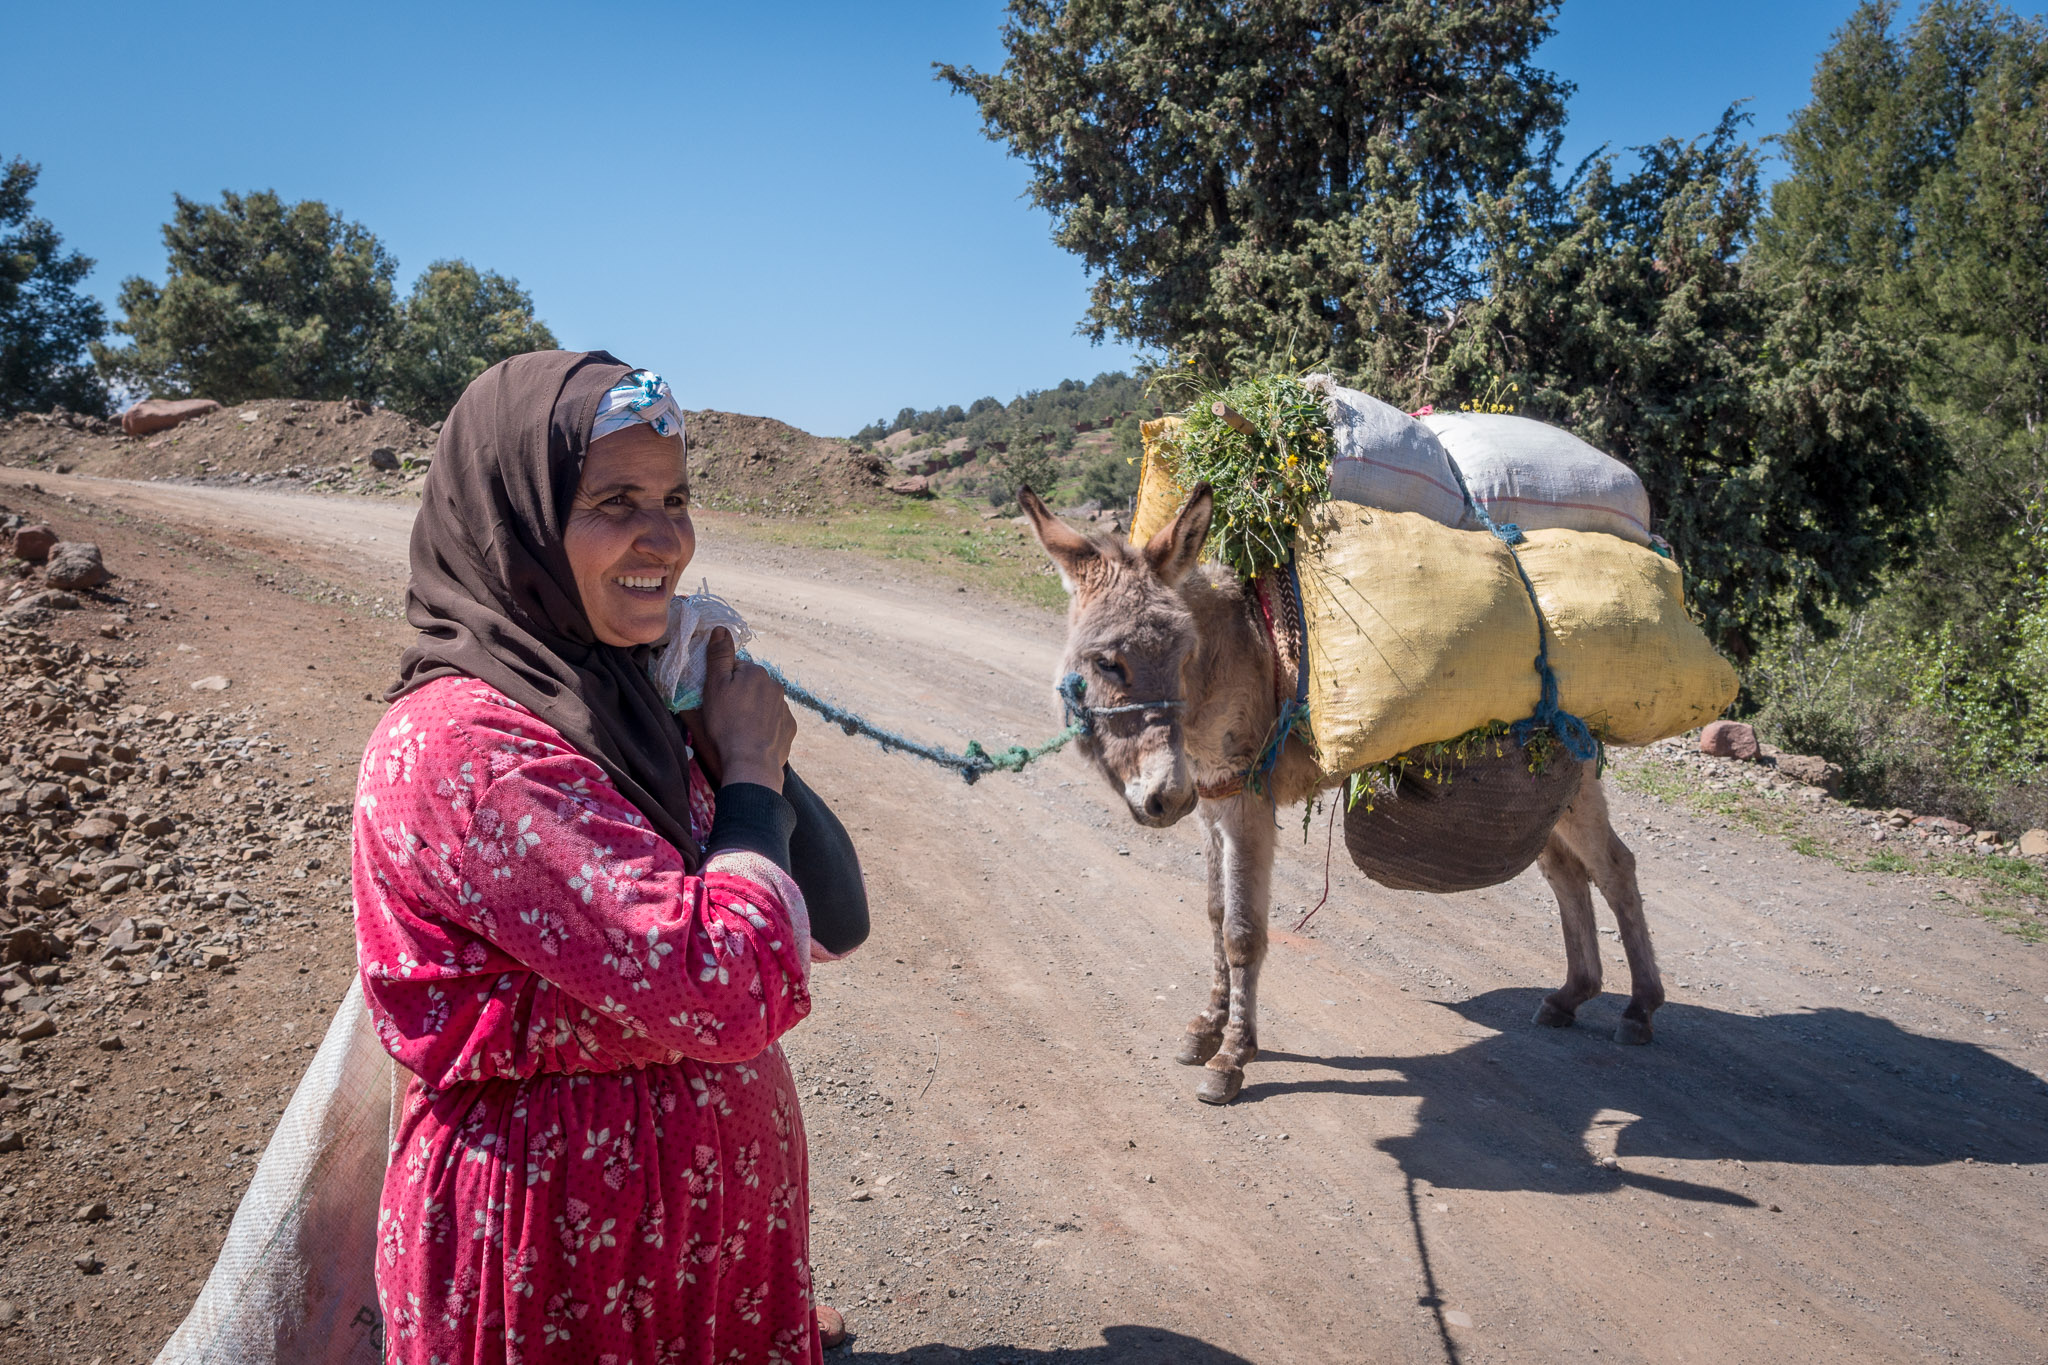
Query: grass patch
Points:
[1808, 846]
[2009, 892]
[1884, 860]
[948, 541]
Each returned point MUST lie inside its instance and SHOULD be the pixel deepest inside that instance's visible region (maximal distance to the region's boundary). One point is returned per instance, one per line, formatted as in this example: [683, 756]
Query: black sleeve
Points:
[752, 819]
[825, 868]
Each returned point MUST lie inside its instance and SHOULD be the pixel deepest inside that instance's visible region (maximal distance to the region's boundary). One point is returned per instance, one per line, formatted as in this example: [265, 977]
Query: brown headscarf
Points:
[492, 594]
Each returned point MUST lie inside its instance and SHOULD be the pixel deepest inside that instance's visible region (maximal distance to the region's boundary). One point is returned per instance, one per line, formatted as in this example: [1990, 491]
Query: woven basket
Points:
[1471, 823]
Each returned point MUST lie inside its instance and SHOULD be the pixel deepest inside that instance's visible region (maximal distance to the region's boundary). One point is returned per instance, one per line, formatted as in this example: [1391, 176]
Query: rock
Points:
[89, 1263]
[34, 1026]
[48, 600]
[156, 826]
[30, 944]
[47, 796]
[33, 543]
[1941, 824]
[152, 415]
[8, 1313]
[1814, 772]
[111, 1043]
[75, 564]
[93, 1212]
[94, 829]
[213, 957]
[1729, 739]
[384, 457]
[11, 1141]
[2034, 844]
[916, 486]
[211, 683]
[70, 761]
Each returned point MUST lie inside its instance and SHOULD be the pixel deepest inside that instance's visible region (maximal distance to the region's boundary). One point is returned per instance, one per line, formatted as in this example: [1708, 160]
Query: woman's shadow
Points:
[1531, 1108]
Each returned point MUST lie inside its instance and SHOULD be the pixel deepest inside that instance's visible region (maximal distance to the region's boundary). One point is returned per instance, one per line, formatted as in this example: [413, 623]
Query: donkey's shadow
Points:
[1530, 1108]
[1124, 1344]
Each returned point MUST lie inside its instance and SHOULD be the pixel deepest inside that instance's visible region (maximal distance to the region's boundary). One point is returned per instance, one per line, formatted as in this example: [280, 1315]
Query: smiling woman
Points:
[578, 930]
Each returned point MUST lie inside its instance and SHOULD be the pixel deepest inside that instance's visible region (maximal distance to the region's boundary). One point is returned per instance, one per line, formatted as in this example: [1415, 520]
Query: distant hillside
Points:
[1091, 429]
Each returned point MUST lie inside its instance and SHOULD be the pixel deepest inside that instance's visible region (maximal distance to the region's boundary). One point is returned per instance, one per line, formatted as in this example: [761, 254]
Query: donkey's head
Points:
[1131, 640]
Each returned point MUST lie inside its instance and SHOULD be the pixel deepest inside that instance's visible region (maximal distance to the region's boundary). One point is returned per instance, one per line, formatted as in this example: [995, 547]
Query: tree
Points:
[1771, 425]
[45, 323]
[1250, 178]
[457, 323]
[264, 299]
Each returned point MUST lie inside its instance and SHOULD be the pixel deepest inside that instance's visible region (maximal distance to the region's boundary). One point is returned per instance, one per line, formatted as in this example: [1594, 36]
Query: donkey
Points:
[1178, 671]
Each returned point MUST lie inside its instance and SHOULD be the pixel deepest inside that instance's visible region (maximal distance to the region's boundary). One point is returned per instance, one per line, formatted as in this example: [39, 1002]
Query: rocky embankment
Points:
[151, 857]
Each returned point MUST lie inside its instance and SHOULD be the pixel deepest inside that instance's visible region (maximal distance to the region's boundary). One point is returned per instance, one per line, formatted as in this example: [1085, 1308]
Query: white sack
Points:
[678, 662]
[1382, 457]
[1539, 477]
[295, 1283]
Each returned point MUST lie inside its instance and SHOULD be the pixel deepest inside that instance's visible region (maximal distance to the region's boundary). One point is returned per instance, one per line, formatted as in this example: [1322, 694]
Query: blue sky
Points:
[777, 207]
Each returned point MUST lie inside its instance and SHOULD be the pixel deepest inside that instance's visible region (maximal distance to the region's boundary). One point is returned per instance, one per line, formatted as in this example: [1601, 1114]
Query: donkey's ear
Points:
[1177, 548]
[1071, 552]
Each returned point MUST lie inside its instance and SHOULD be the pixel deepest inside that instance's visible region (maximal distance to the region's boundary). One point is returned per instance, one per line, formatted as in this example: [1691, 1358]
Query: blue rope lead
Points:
[976, 760]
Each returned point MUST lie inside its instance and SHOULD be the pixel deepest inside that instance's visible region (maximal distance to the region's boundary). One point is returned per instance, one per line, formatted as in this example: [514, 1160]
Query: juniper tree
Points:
[46, 324]
[1246, 178]
[263, 299]
[456, 323]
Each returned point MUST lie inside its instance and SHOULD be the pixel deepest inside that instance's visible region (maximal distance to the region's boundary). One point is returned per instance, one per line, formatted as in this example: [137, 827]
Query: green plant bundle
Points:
[1264, 483]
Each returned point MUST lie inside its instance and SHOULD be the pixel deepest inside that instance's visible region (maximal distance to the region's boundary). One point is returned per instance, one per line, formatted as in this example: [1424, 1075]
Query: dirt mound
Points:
[737, 463]
[760, 465]
[278, 439]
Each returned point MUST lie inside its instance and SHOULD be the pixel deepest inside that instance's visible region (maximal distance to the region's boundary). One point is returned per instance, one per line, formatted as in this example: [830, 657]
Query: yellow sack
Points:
[1628, 658]
[1158, 498]
[1419, 633]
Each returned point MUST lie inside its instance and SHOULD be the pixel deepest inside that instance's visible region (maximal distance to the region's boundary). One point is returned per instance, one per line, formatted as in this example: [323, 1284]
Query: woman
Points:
[581, 950]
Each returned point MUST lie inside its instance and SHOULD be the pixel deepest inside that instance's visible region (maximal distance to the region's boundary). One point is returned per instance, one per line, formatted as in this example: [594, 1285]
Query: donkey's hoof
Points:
[1219, 1086]
[1553, 1016]
[1634, 1032]
[1197, 1048]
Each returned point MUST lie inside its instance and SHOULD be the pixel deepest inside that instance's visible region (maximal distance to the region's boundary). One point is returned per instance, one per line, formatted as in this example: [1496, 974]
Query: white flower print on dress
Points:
[563, 1309]
[702, 1177]
[458, 790]
[629, 960]
[733, 1249]
[497, 842]
[549, 927]
[710, 1092]
[404, 753]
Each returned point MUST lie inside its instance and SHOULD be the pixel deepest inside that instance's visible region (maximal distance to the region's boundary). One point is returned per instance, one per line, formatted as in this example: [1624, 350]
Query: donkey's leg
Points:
[1205, 1030]
[1246, 829]
[1587, 828]
[1569, 883]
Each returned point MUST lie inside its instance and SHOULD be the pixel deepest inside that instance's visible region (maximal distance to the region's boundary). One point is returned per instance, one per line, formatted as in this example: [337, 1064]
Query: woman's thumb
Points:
[718, 653]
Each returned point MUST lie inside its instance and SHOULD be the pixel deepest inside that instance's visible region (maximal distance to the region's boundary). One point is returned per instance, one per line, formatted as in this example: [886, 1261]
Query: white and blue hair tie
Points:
[641, 396]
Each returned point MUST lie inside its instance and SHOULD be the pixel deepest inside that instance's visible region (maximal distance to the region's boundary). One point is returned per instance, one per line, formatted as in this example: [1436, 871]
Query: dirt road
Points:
[1835, 1149]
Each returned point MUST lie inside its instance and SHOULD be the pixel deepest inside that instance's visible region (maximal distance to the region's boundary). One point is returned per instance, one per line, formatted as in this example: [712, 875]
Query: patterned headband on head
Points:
[641, 396]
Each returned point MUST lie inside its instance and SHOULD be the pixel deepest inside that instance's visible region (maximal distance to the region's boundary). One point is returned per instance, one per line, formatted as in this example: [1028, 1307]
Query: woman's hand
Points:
[746, 718]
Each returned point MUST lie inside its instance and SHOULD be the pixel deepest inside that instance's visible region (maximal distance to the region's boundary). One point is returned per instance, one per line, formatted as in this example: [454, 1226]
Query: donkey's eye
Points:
[1109, 668]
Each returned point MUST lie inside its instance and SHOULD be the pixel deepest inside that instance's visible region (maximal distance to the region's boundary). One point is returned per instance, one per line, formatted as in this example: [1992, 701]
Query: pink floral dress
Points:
[600, 1156]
